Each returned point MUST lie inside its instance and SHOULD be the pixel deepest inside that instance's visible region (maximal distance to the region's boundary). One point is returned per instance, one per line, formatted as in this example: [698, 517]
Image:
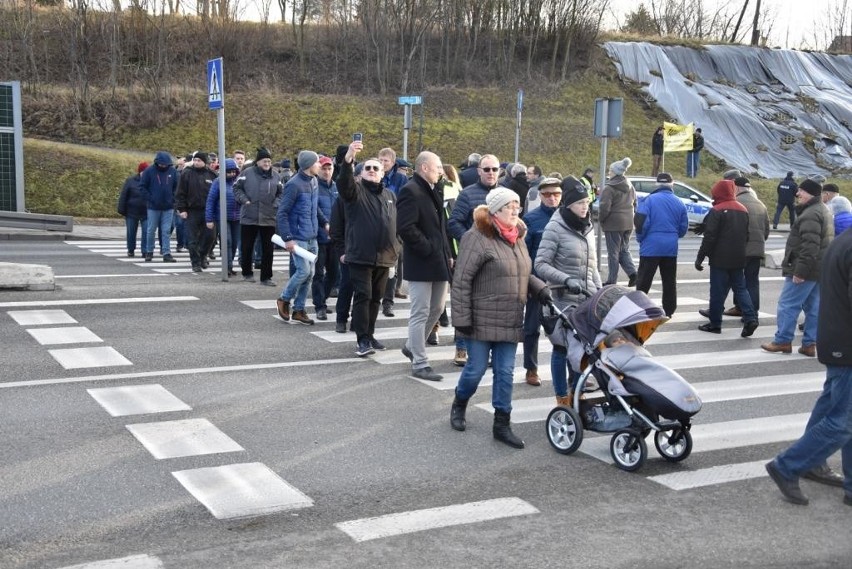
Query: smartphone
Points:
[357, 137]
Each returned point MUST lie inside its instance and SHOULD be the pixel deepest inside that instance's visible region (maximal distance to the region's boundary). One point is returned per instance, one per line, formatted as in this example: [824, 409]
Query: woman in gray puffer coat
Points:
[567, 260]
[492, 278]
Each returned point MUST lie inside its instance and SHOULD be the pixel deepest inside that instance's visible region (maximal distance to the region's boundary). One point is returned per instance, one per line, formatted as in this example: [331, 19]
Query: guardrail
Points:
[42, 221]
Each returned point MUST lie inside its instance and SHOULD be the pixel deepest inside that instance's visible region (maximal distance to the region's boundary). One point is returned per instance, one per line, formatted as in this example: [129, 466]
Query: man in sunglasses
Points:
[461, 218]
[371, 246]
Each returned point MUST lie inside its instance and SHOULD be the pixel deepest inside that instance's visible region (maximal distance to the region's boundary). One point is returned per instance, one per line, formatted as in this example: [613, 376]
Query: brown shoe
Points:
[533, 378]
[567, 401]
[778, 348]
[809, 350]
[733, 311]
[301, 317]
[401, 295]
[461, 357]
[283, 309]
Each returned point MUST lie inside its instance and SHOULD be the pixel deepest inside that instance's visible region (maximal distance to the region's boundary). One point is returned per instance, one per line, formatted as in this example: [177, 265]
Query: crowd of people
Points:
[507, 241]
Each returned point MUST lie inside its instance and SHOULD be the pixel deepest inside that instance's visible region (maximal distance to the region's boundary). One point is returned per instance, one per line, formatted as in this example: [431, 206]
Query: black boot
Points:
[503, 429]
[457, 412]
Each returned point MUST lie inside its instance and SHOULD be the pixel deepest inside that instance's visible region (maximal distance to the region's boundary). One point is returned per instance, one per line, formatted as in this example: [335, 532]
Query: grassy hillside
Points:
[556, 134]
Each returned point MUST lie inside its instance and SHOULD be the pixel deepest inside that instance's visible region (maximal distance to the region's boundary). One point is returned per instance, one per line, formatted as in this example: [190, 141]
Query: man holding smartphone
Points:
[371, 247]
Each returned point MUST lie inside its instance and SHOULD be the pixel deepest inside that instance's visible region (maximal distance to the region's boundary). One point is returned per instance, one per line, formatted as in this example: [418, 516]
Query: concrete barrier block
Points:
[773, 259]
[15, 276]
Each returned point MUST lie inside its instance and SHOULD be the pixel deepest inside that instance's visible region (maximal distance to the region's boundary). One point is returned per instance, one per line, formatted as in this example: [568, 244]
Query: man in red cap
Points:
[326, 269]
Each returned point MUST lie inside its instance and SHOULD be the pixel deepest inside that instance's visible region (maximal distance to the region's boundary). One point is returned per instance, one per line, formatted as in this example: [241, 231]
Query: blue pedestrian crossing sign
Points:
[215, 92]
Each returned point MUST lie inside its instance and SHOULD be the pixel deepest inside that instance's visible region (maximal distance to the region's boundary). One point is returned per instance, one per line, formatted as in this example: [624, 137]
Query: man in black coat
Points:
[830, 426]
[421, 226]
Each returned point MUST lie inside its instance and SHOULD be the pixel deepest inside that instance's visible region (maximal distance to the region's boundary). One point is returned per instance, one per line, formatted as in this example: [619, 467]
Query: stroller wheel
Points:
[564, 430]
[628, 450]
[673, 446]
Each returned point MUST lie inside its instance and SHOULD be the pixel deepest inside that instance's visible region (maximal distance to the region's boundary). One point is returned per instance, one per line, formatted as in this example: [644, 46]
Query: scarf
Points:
[509, 233]
[578, 224]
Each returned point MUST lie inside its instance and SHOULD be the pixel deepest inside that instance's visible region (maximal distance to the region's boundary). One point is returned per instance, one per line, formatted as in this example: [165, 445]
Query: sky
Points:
[798, 23]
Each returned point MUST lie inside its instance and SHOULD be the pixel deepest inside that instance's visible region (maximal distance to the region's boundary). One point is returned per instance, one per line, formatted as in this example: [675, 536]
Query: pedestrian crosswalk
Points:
[724, 369]
[116, 249]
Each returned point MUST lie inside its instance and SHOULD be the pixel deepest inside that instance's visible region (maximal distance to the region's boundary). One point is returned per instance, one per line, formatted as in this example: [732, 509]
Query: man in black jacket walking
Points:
[425, 257]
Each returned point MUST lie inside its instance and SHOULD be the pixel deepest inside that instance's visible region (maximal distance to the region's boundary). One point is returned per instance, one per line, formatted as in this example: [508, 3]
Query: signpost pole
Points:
[216, 101]
[518, 124]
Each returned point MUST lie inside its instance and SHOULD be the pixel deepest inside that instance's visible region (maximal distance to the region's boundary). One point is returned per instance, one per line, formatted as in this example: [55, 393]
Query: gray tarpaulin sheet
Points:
[764, 111]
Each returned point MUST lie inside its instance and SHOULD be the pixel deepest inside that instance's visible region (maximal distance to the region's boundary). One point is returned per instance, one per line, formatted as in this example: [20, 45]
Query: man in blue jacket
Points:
[159, 182]
[660, 220]
[299, 219]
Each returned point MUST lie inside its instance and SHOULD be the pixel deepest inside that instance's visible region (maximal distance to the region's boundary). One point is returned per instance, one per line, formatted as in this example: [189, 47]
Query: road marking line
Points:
[712, 476]
[90, 301]
[66, 335]
[432, 518]
[77, 358]
[131, 562]
[137, 400]
[173, 372]
[115, 276]
[537, 409]
[241, 490]
[186, 437]
[721, 436]
[40, 317]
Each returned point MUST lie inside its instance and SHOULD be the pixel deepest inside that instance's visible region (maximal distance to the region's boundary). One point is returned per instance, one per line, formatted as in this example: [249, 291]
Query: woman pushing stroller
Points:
[567, 260]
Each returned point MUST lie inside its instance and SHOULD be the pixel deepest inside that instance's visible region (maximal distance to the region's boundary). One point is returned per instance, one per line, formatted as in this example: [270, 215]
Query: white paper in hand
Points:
[300, 251]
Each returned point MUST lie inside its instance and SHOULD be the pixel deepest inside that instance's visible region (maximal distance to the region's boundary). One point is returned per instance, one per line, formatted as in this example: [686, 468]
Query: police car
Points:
[697, 204]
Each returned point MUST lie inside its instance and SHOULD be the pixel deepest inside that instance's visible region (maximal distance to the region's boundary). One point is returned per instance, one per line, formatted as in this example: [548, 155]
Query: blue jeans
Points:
[233, 241]
[722, 281]
[829, 429]
[794, 299]
[502, 364]
[692, 160]
[532, 314]
[560, 371]
[160, 219]
[180, 231]
[132, 224]
[300, 281]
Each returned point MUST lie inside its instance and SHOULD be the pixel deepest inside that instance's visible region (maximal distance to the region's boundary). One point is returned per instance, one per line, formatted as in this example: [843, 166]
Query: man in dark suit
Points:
[426, 256]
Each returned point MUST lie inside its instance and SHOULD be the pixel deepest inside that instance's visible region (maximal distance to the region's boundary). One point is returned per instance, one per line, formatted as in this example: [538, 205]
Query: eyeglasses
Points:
[551, 194]
[371, 168]
[510, 207]
[494, 169]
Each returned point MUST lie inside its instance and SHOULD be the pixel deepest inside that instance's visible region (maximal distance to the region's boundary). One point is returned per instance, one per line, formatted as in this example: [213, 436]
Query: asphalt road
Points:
[312, 449]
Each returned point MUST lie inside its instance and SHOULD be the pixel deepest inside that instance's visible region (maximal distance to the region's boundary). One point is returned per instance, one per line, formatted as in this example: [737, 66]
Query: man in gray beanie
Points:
[306, 161]
[298, 213]
[615, 214]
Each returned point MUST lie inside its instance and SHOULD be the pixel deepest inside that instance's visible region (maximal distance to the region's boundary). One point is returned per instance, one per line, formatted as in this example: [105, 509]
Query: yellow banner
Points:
[677, 137]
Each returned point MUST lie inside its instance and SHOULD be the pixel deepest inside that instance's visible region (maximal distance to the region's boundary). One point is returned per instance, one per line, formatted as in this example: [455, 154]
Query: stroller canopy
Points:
[615, 307]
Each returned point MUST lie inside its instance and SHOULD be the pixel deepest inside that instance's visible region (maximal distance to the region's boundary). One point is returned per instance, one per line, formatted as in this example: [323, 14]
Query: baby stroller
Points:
[621, 390]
